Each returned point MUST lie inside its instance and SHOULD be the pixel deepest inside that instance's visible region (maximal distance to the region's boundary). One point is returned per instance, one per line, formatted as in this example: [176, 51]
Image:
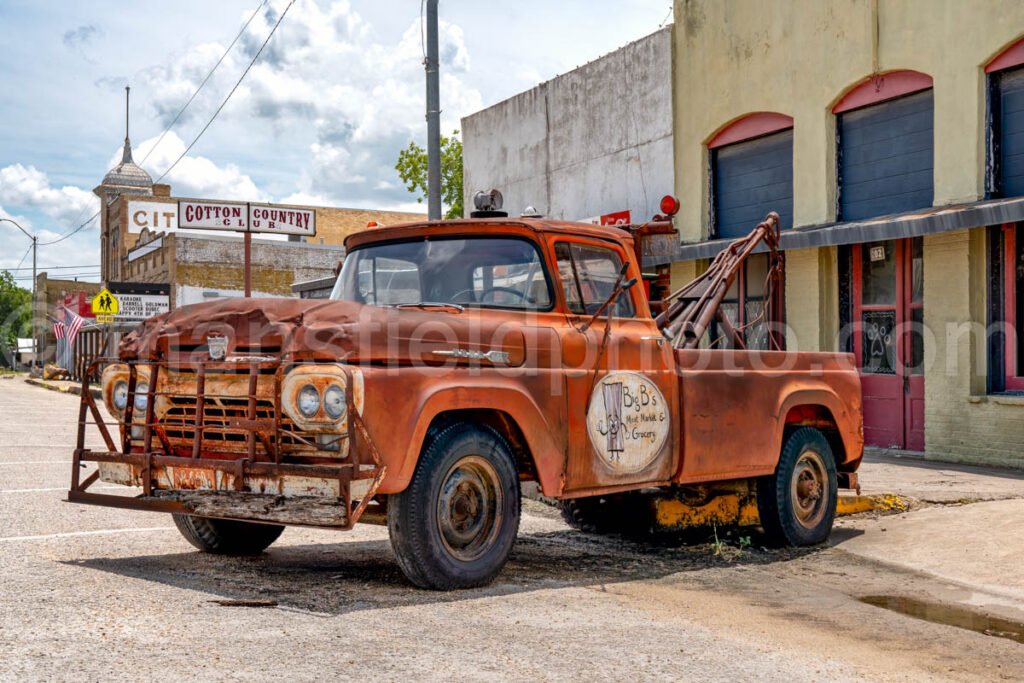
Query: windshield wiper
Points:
[432, 304]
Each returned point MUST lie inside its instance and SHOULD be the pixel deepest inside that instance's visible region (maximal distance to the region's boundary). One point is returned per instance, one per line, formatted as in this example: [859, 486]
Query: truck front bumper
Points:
[254, 485]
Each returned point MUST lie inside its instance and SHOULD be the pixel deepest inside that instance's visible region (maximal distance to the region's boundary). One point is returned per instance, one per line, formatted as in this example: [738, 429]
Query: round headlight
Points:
[120, 395]
[309, 400]
[141, 399]
[334, 401]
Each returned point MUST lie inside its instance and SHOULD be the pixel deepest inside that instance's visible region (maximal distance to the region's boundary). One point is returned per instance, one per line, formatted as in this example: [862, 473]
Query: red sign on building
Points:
[79, 302]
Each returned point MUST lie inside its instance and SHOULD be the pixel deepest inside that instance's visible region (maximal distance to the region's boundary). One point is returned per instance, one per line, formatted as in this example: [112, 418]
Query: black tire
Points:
[227, 536]
[455, 523]
[797, 504]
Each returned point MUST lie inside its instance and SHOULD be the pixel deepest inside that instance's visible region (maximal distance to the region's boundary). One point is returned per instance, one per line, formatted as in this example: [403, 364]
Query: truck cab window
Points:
[588, 274]
[483, 272]
[384, 281]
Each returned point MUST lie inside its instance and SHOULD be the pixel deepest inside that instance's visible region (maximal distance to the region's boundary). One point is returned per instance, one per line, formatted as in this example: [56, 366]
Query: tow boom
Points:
[693, 307]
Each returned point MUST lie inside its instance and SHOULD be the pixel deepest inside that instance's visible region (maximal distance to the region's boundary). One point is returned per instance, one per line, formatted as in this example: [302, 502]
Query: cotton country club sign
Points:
[196, 215]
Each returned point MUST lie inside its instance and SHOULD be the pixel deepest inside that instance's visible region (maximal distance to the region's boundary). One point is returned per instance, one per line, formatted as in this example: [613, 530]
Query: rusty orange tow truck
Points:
[456, 359]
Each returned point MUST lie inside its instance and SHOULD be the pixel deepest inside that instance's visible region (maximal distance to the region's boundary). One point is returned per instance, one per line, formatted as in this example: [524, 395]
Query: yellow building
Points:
[889, 135]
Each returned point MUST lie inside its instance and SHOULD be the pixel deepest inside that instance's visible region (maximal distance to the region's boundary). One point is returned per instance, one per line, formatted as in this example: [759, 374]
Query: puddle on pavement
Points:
[950, 615]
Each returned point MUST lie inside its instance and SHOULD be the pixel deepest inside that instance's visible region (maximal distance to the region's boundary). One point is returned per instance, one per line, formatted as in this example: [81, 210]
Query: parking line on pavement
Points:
[61, 488]
[36, 462]
[72, 534]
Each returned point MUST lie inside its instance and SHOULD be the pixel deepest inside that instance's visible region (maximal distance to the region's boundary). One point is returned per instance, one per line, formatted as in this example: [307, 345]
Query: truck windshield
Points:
[487, 272]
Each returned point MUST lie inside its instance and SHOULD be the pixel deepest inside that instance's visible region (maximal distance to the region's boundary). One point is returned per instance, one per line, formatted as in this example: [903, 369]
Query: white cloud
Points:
[195, 176]
[26, 187]
[326, 82]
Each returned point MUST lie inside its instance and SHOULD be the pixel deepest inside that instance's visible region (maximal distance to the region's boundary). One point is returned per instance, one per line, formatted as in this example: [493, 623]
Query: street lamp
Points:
[35, 245]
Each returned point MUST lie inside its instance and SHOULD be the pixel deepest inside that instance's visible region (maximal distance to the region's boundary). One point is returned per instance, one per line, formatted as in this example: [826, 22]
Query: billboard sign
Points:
[614, 218]
[233, 216]
[213, 216]
[246, 218]
[274, 219]
[153, 215]
[140, 306]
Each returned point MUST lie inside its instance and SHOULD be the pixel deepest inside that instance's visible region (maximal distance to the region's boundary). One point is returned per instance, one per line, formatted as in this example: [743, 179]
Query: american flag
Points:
[68, 327]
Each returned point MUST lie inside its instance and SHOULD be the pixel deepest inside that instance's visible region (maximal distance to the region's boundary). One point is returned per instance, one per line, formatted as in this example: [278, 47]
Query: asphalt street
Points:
[90, 593]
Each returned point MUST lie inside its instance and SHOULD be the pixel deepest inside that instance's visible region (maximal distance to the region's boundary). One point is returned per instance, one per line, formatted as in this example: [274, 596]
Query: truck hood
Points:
[319, 330]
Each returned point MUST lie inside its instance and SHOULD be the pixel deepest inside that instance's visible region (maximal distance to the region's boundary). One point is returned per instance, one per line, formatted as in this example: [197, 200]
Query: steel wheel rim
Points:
[468, 509]
[809, 489]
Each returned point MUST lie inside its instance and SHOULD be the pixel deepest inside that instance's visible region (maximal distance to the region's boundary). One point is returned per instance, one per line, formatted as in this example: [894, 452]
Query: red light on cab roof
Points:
[669, 205]
[372, 224]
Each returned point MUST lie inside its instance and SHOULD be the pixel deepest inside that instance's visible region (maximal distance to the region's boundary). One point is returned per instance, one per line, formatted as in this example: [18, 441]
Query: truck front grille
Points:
[219, 413]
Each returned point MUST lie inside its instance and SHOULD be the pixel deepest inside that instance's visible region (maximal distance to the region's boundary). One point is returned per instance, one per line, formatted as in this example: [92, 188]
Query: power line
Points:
[667, 17]
[81, 266]
[62, 277]
[208, 76]
[64, 237]
[232, 92]
[23, 257]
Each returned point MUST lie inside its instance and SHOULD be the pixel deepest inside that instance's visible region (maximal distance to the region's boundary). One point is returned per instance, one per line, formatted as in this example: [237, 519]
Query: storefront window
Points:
[1012, 313]
[744, 304]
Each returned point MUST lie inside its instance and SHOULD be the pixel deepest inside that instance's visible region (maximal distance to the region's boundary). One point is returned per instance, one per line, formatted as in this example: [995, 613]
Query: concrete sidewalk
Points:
[975, 549]
[928, 481]
[64, 386]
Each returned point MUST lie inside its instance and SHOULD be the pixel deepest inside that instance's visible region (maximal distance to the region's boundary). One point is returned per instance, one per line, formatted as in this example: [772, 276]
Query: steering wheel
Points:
[477, 298]
[506, 290]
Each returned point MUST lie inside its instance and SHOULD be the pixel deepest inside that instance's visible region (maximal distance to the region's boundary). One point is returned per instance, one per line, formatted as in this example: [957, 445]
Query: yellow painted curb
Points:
[889, 502]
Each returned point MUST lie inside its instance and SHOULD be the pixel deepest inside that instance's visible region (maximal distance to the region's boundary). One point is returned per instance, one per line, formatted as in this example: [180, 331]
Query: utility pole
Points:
[35, 249]
[432, 64]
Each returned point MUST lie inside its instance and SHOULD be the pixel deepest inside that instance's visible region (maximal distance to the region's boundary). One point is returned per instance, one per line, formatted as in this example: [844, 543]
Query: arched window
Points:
[751, 173]
[884, 128]
[1006, 122]
[1006, 179]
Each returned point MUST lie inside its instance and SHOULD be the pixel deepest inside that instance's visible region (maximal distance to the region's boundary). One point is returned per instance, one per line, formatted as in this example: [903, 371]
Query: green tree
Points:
[412, 169]
[15, 316]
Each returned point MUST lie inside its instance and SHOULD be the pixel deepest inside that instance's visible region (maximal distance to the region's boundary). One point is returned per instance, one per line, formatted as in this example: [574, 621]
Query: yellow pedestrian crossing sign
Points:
[105, 306]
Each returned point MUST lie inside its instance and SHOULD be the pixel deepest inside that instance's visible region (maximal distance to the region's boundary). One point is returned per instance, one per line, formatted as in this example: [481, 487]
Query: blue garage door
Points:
[752, 178]
[1011, 128]
[885, 157]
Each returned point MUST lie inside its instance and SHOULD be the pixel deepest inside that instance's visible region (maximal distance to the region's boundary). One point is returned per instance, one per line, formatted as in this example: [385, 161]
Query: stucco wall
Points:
[798, 57]
[595, 140]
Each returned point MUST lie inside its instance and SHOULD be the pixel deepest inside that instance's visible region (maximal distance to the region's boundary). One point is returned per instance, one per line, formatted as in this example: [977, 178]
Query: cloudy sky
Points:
[319, 119]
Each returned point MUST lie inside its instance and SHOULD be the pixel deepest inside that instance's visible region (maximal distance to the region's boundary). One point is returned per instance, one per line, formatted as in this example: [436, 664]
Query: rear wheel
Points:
[227, 536]
[455, 523]
[797, 504]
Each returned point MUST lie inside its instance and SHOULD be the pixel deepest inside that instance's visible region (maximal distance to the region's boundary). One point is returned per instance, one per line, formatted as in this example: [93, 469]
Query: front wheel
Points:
[797, 504]
[455, 523]
[227, 536]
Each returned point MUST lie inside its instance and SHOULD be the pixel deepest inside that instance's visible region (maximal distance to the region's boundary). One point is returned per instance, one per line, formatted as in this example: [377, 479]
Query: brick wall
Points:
[215, 264]
[962, 422]
[334, 225]
[812, 299]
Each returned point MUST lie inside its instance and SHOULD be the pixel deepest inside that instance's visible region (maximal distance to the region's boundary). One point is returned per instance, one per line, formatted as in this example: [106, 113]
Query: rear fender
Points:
[847, 421]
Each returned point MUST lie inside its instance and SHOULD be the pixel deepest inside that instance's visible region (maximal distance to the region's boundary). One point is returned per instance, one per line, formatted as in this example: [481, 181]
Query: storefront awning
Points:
[895, 226]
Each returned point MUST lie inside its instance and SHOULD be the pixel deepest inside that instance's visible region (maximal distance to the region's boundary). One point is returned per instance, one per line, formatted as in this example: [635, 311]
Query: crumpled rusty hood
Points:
[316, 329]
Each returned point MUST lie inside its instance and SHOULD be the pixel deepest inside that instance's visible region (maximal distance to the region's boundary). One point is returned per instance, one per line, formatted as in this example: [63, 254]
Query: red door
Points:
[888, 313]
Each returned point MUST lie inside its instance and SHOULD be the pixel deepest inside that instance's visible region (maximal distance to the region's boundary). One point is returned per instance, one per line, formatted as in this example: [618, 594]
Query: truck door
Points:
[622, 402]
